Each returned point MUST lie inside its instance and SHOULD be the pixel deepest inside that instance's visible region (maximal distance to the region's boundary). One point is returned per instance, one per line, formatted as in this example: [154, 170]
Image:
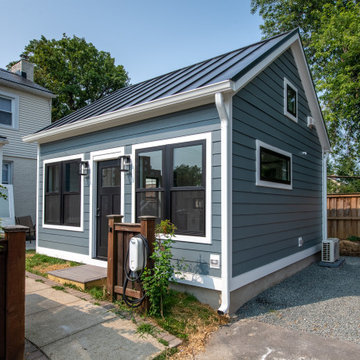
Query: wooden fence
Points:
[12, 293]
[343, 215]
[119, 235]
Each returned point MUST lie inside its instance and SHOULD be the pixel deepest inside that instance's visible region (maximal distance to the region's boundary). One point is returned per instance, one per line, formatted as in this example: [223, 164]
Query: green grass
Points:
[146, 329]
[353, 238]
[40, 280]
[164, 342]
[57, 287]
[97, 292]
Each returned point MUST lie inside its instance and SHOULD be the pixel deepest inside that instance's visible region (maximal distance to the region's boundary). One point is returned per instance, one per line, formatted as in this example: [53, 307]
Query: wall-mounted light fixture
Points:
[84, 168]
[125, 163]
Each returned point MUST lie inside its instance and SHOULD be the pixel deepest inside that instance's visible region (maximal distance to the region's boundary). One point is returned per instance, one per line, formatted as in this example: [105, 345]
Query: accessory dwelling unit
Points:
[232, 150]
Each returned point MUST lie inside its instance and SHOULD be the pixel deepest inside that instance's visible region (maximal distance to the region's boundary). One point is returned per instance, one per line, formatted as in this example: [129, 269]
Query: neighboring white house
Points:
[25, 107]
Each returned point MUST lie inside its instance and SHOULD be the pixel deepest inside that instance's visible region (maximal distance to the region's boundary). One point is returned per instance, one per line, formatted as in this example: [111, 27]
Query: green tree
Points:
[74, 70]
[330, 31]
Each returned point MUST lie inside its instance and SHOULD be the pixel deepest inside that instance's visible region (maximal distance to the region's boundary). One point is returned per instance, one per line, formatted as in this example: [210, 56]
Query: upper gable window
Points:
[8, 110]
[290, 100]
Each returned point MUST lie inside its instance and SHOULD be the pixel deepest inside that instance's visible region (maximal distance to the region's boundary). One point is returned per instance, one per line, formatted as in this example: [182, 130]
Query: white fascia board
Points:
[294, 43]
[183, 101]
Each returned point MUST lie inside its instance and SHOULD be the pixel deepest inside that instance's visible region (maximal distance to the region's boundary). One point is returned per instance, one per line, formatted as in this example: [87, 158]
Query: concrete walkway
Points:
[64, 326]
[251, 339]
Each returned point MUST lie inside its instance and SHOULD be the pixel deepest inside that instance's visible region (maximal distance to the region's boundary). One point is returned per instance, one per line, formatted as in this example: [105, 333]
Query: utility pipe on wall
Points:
[224, 110]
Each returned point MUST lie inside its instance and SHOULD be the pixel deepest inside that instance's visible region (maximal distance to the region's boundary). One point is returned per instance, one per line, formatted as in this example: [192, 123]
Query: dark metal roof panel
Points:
[223, 67]
[19, 80]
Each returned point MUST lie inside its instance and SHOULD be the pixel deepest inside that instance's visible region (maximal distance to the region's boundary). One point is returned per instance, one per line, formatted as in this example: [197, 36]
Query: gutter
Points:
[224, 108]
[163, 106]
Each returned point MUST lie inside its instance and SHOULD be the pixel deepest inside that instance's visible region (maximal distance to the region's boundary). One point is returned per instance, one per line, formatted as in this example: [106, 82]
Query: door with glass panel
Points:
[108, 201]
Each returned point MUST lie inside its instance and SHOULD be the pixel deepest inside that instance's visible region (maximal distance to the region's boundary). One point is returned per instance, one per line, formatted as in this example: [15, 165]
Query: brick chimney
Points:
[24, 69]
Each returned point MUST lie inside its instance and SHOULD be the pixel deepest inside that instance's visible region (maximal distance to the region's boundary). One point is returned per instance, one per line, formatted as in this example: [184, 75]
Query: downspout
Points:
[224, 110]
[324, 193]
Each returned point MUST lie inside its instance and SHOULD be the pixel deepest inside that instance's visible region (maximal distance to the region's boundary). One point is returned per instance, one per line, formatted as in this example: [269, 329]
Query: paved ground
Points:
[64, 326]
[315, 314]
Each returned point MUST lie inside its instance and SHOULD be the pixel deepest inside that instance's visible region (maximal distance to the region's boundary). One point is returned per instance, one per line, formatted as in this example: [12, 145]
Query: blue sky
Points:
[149, 38]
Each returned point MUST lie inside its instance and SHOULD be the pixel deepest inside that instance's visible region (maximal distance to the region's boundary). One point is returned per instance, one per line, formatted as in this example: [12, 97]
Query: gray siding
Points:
[204, 119]
[266, 221]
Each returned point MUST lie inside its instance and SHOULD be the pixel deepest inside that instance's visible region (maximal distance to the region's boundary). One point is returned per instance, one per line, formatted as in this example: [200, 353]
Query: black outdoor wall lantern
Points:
[83, 168]
[125, 163]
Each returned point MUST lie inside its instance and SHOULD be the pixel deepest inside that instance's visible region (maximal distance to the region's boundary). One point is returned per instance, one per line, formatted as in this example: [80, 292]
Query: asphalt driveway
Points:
[315, 314]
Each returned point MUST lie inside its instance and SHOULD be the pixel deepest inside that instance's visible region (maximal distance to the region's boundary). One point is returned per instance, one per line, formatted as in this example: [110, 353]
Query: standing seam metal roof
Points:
[228, 66]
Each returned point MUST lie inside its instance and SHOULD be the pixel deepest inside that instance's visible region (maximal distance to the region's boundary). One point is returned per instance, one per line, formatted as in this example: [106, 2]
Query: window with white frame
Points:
[8, 110]
[290, 100]
[273, 167]
[62, 193]
[171, 184]
[7, 171]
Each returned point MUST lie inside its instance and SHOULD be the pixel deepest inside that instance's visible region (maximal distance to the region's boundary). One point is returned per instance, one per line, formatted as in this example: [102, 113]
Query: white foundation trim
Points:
[71, 256]
[95, 156]
[204, 281]
[258, 273]
[183, 139]
[64, 227]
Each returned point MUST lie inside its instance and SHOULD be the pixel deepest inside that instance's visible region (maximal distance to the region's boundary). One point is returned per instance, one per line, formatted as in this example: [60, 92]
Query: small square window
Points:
[290, 100]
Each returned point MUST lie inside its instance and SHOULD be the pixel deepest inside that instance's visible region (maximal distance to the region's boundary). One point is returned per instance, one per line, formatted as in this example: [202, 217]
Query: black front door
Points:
[108, 202]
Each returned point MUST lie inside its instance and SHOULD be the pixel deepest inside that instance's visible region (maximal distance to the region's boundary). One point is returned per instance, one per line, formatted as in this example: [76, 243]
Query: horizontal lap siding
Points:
[205, 119]
[267, 222]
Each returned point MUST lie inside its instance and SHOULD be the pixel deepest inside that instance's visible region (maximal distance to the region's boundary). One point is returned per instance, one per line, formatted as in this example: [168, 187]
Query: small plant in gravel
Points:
[57, 287]
[156, 280]
[146, 329]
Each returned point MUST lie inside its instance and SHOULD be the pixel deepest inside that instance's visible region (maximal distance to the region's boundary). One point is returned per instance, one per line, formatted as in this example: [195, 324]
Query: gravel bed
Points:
[320, 300]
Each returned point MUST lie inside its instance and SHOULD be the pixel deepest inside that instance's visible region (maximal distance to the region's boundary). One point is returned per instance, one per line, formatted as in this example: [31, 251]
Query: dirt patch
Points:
[349, 248]
[46, 269]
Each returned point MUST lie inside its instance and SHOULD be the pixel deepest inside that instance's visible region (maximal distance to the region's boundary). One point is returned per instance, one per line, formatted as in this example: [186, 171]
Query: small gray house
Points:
[232, 150]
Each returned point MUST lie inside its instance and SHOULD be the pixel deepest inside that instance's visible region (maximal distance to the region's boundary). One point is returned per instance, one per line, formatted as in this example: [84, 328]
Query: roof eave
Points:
[163, 106]
[23, 87]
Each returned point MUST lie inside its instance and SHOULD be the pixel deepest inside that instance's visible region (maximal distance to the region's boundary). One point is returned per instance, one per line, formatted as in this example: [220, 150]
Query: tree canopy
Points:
[74, 70]
[330, 32]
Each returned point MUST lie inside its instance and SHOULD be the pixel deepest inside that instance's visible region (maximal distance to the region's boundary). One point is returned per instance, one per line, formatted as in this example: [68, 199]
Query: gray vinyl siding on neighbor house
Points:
[267, 221]
[200, 120]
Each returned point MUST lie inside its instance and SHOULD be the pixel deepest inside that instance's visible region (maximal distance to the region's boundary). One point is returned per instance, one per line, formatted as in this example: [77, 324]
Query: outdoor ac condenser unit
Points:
[330, 250]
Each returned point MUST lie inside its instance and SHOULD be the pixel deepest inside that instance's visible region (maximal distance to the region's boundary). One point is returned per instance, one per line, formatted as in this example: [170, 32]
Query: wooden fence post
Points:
[112, 252]
[15, 291]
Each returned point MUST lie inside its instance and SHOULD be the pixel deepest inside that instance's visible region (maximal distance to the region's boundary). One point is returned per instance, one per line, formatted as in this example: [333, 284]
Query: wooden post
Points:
[15, 292]
[112, 252]
[148, 230]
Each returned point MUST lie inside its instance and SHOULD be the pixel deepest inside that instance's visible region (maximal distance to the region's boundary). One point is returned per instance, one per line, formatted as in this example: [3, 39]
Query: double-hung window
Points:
[8, 110]
[170, 184]
[63, 193]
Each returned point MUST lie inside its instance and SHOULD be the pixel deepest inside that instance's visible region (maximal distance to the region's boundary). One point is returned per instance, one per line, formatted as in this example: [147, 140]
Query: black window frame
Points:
[280, 155]
[168, 187]
[61, 193]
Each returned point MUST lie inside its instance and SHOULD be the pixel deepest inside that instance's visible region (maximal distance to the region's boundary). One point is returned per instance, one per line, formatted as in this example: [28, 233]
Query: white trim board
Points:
[262, 271]
[64, 227]
[71, 256]
[95, 156]
[208, 197]
[204, 281]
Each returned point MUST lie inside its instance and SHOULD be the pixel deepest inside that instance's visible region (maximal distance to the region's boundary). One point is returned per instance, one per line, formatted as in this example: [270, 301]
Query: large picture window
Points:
[62, 193]
[170, 184]
[273, 166]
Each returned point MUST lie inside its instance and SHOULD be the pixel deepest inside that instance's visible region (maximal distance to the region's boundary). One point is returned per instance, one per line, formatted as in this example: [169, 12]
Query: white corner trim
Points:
[64, 227]
[208, 198]
[224, 108]
[71, 256]
[178, 102]
[324, 195]
[286, 113]
[37, 217]
[95, 156]
[204, 281]
[271, 184]
[14, 110]
[260, 272]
